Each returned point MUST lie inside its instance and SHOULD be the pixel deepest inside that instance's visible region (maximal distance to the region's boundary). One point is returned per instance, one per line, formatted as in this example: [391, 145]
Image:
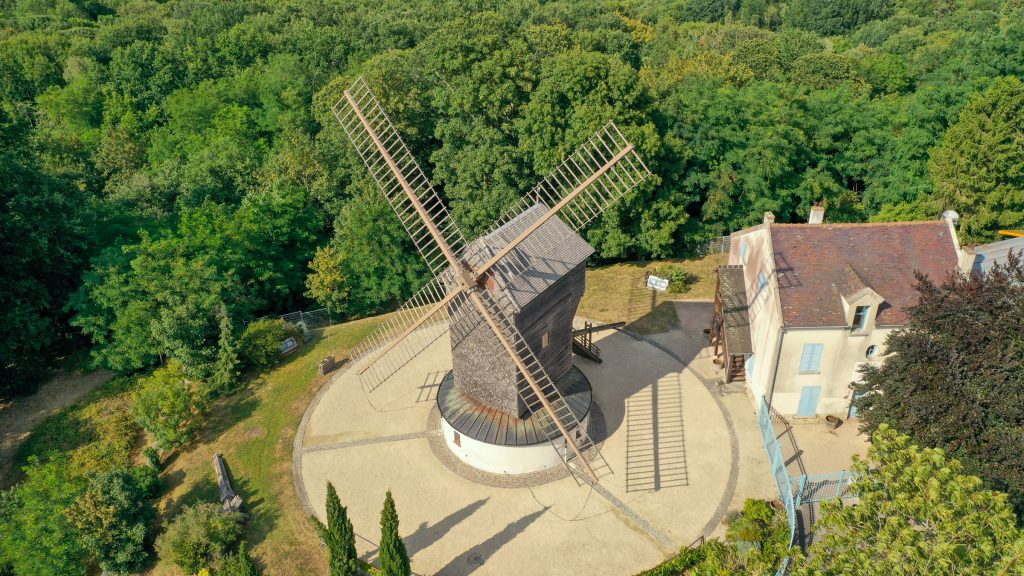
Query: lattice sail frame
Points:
[388, 182]
[600, 172]
[625, 174]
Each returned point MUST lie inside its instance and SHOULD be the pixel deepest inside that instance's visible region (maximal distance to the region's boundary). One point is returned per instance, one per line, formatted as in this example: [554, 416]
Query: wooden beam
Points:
[530, 380]
[419, 322]
[482, 269]
[431, 227]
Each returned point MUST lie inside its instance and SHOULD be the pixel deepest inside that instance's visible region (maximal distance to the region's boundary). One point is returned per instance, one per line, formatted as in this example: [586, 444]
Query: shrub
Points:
[238, 564]
[112, 516]
[679, 280]
[98, 433]
[166, 406]
[199, 536]
[260, 345]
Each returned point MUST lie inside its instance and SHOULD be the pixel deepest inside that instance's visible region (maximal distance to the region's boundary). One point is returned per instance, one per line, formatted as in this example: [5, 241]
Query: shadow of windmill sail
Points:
[512, 403]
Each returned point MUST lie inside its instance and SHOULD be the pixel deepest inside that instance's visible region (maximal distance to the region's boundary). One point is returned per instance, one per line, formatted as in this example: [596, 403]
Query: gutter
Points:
[775, 370]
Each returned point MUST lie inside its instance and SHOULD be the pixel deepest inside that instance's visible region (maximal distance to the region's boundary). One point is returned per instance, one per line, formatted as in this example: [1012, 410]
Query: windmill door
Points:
[808, 407]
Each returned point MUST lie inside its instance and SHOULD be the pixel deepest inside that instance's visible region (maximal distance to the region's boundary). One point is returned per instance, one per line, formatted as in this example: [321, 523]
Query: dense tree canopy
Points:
[161, 160]
[954, 377]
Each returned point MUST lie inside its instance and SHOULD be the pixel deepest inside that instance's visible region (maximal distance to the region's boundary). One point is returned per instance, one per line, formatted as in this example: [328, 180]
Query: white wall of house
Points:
[842, 352]
[764, 311]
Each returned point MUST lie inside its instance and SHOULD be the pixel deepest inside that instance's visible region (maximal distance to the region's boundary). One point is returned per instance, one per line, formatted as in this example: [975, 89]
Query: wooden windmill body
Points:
[507, 299]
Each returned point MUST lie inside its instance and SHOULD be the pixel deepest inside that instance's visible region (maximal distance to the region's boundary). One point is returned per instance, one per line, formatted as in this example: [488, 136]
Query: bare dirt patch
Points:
[20, 415]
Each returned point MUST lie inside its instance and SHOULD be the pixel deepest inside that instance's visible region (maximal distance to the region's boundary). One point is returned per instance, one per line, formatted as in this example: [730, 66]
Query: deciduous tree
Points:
[917, 512]
[953, 378]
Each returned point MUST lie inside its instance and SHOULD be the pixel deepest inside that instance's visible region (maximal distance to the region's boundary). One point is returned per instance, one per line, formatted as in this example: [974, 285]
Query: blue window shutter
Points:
[750, 365]
[810, 360]
[761, 281]
[743, 250]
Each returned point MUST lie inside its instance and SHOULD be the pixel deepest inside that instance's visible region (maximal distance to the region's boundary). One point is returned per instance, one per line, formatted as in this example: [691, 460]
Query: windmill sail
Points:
[407, 332]
[606, 167]
[399, 177]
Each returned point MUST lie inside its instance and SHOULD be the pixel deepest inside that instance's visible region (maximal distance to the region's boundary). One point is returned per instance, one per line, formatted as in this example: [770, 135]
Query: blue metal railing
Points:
[795, 491]
[782, 479]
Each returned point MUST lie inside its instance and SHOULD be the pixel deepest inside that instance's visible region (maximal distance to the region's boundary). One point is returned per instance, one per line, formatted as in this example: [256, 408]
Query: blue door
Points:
[809, 401]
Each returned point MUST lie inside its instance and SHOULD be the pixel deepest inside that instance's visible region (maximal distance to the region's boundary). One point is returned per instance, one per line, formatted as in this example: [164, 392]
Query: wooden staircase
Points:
[738, 368]
[583, 343]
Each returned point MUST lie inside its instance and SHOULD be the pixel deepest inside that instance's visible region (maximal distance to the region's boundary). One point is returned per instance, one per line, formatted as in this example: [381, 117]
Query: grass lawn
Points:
[254, 430]
[616, 293]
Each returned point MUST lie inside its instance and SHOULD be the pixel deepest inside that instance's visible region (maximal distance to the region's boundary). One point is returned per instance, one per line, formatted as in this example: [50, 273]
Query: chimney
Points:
[769, 218]
[817, 214]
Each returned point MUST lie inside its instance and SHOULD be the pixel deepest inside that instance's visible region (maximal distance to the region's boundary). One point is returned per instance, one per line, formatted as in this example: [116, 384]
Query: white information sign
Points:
[660, 284]
[288, 345]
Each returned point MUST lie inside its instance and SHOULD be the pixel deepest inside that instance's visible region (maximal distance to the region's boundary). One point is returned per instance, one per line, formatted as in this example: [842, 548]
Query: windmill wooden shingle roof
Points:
[544, 257]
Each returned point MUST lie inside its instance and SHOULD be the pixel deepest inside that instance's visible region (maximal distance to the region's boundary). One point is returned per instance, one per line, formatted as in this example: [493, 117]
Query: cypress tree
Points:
[339, 536]
[394, 560]
[225, 371]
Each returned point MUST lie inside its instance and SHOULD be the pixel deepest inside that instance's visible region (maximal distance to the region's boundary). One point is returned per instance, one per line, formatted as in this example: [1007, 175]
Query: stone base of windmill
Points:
[494, 441]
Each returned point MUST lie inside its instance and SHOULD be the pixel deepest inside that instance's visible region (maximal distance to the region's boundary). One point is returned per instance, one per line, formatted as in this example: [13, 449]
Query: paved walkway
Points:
[679, 485]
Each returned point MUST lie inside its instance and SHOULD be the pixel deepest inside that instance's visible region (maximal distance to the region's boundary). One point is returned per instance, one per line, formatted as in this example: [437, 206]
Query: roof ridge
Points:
[854, 224]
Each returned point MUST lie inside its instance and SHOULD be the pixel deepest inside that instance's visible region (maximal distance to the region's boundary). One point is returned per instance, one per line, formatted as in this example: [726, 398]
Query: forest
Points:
[169, 167]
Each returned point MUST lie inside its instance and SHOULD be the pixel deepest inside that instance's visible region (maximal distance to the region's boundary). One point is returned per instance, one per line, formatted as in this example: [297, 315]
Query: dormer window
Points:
[860, 318]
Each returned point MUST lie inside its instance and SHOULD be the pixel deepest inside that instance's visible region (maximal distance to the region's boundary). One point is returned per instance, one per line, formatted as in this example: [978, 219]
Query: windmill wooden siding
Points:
[544, 298]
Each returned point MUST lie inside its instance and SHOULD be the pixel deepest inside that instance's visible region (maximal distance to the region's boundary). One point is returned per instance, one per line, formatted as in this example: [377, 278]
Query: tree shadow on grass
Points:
[661, 318]
[228, 412]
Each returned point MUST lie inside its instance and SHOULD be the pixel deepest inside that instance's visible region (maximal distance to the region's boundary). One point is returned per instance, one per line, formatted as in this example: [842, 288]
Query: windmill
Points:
[472, 292]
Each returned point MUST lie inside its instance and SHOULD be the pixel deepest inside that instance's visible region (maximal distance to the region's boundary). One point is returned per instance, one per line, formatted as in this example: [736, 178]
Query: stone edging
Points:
[300, 434]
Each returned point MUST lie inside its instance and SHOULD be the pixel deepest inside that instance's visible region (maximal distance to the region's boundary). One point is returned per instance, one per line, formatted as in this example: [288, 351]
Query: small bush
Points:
[199, 536]
[238, 564]
[686, 558]
[152, 457]
[166, 406]
[260, 345]
[679, 280]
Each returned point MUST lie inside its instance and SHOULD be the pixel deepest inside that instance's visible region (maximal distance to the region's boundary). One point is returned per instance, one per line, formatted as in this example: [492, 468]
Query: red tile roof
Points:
[814, 263]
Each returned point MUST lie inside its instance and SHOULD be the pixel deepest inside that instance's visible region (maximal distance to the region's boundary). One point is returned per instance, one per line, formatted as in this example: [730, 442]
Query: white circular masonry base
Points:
[504, 459]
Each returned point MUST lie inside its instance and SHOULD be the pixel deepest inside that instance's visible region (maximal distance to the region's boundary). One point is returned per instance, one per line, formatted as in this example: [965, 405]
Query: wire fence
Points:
[714, 246]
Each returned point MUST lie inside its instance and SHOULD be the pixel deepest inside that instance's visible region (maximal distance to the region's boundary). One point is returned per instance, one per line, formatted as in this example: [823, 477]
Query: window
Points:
[762, 281]
[860, 318]
[871, 352]
[750, 365]
[458, 439]
[545, 340]
[810, 361]
[743, 250]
